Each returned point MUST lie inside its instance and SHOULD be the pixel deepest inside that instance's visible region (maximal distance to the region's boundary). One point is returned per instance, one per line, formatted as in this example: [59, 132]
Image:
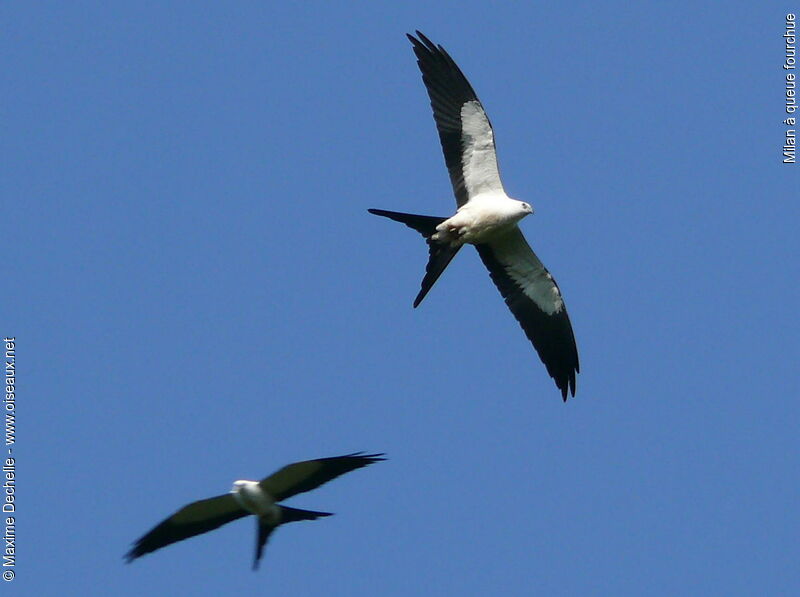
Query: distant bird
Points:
[252, 497]
[487, 218]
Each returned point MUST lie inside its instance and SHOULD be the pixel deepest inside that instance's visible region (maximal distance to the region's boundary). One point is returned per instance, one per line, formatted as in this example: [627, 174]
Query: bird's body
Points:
[251, 497]
[480, 221]
[487, 217]
[259, 498]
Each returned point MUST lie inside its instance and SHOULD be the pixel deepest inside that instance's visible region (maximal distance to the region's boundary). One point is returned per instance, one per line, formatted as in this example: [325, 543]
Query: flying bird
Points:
[259, 498]
[487, 218]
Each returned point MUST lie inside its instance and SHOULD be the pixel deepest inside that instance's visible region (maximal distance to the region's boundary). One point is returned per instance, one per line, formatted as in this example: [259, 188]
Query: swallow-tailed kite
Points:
[252, 497]
[487, 218]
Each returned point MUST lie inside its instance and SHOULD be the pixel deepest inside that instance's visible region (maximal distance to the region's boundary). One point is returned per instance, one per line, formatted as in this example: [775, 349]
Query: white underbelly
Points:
[478, 222]
[256, 501]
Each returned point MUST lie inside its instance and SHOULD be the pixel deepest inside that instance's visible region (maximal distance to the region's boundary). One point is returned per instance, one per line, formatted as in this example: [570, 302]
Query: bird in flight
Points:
[259, 498]
[487, 218]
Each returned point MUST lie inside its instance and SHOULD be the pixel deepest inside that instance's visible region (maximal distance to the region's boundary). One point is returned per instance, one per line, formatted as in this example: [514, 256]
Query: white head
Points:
[526, 208]
[239, 485]
[251, 497]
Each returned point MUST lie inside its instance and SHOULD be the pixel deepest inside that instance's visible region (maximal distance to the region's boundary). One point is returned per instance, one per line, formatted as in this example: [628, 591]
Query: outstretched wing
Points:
[535, 300]
[464, 129]
[196, 518]
[310, 474]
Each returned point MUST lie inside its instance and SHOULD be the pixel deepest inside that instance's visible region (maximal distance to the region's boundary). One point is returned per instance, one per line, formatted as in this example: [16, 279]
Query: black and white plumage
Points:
[487, 218]
[252, 497]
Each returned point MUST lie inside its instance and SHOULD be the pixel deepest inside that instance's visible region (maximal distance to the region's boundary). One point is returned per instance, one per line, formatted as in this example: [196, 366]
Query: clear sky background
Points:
[199, 295]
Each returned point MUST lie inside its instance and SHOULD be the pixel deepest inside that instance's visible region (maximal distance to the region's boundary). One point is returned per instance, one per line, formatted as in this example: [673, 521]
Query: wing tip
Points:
[424, 47]
[567, 388]
[420, 40]
[368, 458]
[566, 381]
[421, 295]
[133, 553]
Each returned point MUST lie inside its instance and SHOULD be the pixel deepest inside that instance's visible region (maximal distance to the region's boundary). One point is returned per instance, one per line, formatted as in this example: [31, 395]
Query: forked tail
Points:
[294, 514]
[439, 255]
[265, 528]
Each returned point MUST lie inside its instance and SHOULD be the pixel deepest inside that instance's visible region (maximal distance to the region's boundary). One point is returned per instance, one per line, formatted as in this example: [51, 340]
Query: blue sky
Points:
[199, 295]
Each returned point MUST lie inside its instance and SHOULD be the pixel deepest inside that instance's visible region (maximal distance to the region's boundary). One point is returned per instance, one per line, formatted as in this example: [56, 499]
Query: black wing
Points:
[310, 474]
[535, 300]
[196, 518]
[464, 129]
